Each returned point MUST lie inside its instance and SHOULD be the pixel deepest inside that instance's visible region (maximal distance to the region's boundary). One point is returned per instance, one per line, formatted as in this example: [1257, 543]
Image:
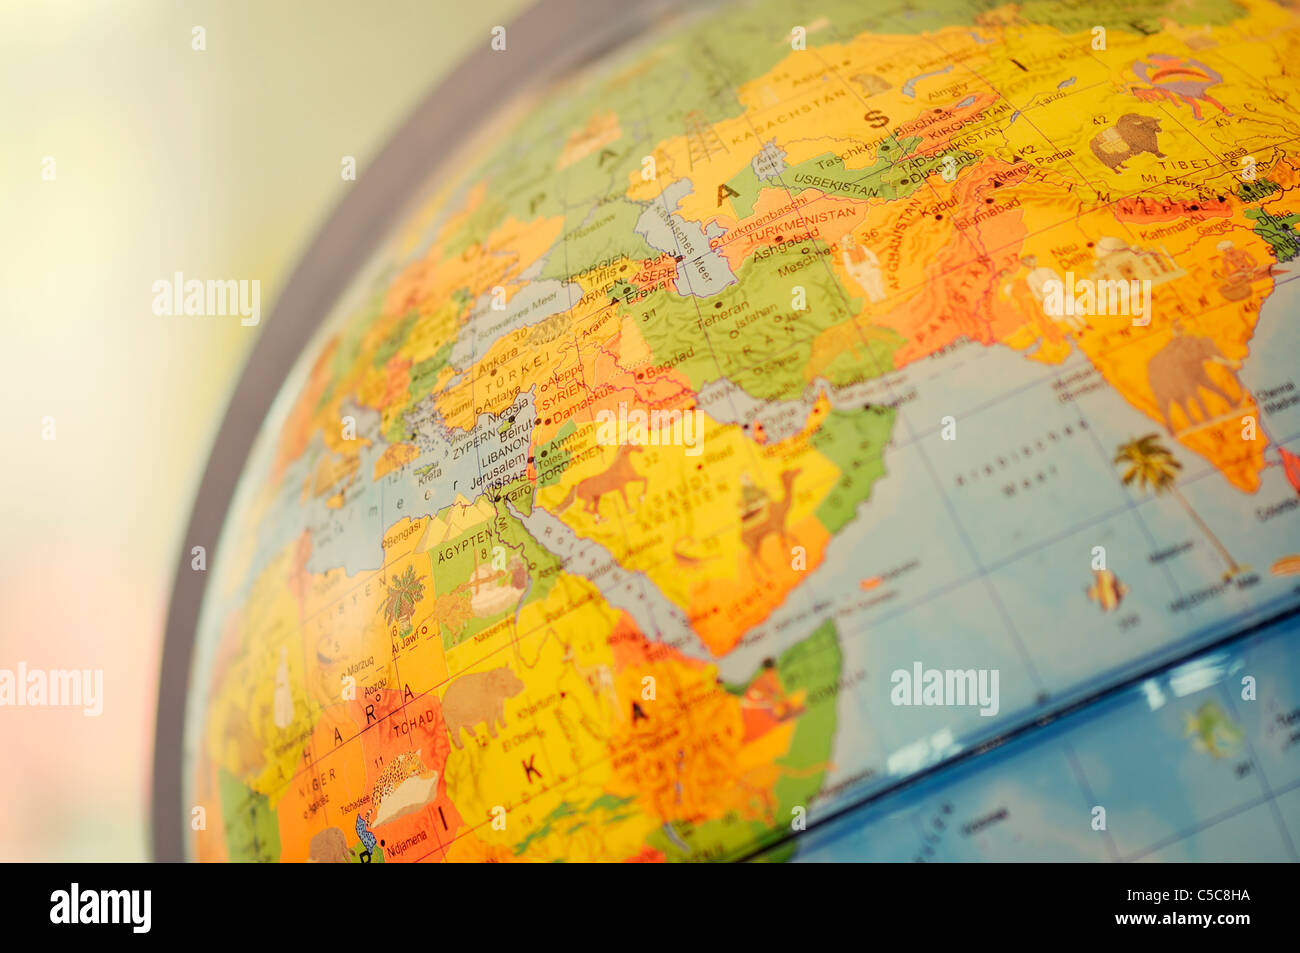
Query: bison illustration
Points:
[1131, 136]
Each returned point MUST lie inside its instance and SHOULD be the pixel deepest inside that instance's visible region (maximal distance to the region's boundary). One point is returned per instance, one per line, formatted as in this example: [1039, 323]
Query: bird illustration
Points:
[1106, 590]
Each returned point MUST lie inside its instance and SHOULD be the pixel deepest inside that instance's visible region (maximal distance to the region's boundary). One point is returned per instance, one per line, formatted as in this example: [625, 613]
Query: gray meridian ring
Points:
[549, 39]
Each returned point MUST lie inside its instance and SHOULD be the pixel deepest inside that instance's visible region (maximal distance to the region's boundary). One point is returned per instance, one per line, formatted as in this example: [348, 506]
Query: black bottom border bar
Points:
[248, 903]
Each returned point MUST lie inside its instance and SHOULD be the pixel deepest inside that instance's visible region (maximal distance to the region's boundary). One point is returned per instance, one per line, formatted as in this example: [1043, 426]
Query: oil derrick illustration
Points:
[701, 140]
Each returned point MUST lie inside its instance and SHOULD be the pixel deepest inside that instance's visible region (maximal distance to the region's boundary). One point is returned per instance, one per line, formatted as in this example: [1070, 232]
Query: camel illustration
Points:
[762, 523]
[617, 477]
[1177, 372]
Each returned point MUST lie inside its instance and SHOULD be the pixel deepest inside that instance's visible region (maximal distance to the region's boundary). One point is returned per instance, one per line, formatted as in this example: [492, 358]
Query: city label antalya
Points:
[950, 688]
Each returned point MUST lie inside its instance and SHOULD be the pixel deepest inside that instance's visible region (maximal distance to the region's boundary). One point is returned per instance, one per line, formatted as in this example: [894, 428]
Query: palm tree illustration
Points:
[1153, 466]
[404, 592]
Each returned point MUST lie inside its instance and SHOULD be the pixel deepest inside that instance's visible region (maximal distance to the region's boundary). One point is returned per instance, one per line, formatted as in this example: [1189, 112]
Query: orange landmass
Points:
[300, 425]
[403, 724]
[723, 610]
[395, 456]
[684, 753]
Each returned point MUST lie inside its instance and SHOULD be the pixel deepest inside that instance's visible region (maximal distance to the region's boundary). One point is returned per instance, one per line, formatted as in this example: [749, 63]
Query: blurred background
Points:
[220, 163]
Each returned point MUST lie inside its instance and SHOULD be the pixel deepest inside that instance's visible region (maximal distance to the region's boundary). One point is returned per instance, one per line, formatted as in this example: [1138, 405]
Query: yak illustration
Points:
[1177, 372]
[1131, 136]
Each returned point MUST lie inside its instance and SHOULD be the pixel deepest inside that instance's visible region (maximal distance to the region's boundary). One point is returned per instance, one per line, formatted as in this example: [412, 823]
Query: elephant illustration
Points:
[329, 847]
[1132, 135]
[1177, 372]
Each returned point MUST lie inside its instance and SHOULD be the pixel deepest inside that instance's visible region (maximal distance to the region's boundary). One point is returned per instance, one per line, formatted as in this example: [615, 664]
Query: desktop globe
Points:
[813, 432]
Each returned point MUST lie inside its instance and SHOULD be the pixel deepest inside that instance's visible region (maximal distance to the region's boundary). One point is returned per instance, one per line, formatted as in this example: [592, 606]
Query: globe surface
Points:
[746, 429]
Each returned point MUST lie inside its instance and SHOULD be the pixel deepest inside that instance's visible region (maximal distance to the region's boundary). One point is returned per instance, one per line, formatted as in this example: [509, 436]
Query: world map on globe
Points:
[719, 394]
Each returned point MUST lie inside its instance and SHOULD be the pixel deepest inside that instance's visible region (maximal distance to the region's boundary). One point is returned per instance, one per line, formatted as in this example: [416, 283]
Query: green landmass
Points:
[252, 830]
[763, 344]
[855, 442]
[1278, 230]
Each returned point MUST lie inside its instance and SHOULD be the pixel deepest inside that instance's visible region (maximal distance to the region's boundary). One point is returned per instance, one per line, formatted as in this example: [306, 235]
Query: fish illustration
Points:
[1212, 730]
[1290, 466]
[1287, 565]
[1106, 590]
